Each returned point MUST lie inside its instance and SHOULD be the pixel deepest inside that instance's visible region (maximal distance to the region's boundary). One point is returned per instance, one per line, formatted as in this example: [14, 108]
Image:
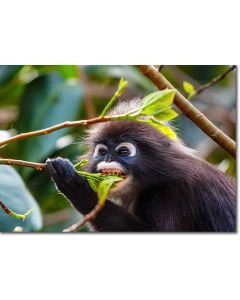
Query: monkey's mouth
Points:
[117, 172]
[111, 168]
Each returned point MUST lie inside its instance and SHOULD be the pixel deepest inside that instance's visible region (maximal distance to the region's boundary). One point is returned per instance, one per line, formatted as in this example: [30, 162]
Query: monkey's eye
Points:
[100, 150]
[126, 149]
[123, 151]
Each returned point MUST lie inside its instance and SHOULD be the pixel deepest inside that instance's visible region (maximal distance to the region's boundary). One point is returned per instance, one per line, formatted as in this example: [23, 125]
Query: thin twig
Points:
[5, 208]
[10, 161]
[160, 68]
[48, 130]
[214, 80]
[87, 218]
[45, 131]
[190, 111]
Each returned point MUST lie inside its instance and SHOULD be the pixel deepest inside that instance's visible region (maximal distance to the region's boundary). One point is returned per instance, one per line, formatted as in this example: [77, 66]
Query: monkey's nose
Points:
[108, 158]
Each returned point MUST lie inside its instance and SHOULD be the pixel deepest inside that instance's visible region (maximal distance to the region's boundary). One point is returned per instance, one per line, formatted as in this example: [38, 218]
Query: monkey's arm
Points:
[82, 197]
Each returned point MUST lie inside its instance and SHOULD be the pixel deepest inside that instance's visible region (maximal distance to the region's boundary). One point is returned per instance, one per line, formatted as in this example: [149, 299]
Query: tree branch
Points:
[190, 111]
[9, 161]
[214, 80]
[48, 130]
[41, 166]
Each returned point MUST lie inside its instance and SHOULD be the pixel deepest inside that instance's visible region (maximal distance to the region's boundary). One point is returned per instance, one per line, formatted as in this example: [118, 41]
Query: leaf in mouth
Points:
[101, 183]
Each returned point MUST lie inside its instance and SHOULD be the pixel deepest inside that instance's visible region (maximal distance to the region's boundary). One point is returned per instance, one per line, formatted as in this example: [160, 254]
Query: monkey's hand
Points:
[73, 186]
[83, 198]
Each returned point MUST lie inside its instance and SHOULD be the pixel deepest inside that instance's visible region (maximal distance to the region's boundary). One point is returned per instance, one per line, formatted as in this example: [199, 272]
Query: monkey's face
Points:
[134, 150]
[114, 158]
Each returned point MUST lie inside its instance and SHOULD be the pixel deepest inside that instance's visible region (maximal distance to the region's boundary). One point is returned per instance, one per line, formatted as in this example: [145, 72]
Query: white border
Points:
[153, 266]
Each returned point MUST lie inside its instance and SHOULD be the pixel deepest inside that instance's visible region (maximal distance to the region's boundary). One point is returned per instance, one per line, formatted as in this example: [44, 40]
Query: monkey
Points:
[166, 186]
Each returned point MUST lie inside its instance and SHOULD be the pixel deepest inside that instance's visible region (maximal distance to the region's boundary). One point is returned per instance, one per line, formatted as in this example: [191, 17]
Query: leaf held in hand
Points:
[79, 165]
[104, 187]
[99, 183]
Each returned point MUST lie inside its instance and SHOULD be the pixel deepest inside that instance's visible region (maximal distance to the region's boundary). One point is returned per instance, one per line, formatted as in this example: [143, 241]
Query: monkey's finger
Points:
[50, 168]
[63, 172]
[60, 169]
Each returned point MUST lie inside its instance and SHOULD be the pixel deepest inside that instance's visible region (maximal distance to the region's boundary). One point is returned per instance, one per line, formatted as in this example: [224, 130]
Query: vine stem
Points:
[191, 111]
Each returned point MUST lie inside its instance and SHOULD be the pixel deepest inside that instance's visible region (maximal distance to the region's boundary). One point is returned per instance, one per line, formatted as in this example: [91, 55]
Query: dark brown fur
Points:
[171, 189]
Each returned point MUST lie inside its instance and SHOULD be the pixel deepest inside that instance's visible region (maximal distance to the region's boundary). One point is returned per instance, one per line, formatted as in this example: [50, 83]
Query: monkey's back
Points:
[202, 200]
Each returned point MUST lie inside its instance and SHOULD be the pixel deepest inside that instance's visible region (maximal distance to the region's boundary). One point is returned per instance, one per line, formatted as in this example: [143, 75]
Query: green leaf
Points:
[156, 102]
[162, 128]
[100, 184]
[78, 166]
[93, 184]
[121, 88]
[166, 115]
[104, 187]
[47, 100]
[20, 216]
[188, 87]
[15, 195]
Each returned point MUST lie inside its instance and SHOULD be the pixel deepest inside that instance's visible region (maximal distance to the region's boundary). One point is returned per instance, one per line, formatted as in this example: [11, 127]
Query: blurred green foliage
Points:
[35, 97]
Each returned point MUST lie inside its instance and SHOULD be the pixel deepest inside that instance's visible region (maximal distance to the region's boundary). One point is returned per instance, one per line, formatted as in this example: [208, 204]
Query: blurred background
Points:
[35, 97]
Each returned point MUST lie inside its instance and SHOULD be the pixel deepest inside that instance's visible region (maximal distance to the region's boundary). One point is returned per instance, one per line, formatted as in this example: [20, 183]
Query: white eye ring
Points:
[97, 149]
[131, 148]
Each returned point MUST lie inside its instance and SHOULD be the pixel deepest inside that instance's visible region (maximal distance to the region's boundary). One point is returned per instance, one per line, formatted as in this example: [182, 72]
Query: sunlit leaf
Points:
[156, 102]
[188, 87]
[99, 183]
[79, 165]
[166, 115]
[20, 216]
[93, 184]
[104, 187]
[121, 88]
[162, 128]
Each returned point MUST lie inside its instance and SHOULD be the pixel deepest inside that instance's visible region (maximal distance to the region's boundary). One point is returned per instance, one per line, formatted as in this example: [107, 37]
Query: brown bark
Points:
[190, 111]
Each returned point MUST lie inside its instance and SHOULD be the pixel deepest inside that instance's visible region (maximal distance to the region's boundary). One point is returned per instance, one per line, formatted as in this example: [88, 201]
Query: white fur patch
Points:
[125, 106]
[109, 165]
[132, 149]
